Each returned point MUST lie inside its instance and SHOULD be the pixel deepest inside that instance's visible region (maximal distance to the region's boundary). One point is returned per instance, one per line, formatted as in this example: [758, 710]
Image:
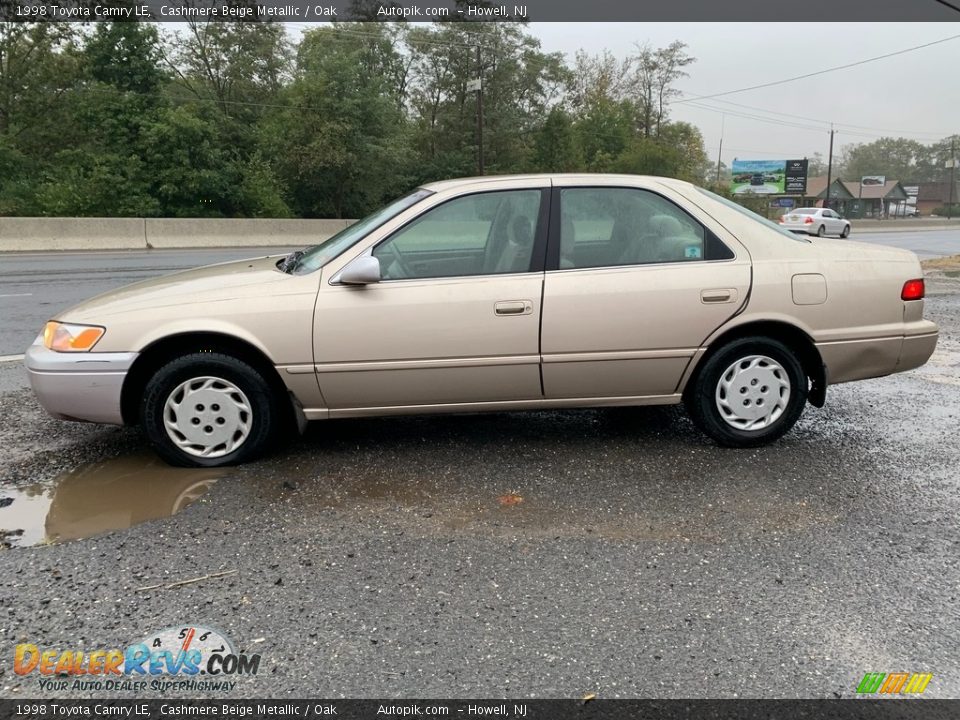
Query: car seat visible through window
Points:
[515, 255]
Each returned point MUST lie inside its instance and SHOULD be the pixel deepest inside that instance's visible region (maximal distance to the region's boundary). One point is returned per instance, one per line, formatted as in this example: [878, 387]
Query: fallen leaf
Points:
[511, 498]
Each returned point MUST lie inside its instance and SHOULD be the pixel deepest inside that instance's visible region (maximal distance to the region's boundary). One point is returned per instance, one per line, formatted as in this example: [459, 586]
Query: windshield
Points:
[752, 215]
[319, 255]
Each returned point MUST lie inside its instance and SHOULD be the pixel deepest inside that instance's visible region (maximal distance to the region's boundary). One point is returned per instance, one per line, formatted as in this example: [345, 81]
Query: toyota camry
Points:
[494, 294]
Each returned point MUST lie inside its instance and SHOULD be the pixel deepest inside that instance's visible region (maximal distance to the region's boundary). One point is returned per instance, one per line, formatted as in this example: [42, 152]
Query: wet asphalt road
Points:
[925, 243]
[373, 558]
[35, 287]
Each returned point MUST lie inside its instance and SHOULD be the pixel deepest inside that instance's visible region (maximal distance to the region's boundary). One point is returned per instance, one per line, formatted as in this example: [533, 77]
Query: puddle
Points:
[98, 497]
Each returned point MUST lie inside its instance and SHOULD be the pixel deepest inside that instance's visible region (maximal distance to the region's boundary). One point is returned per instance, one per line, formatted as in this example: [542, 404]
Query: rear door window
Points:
[607, 226]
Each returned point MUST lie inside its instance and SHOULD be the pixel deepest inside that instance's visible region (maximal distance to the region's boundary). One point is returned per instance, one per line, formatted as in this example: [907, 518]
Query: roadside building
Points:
[851, 200]
[934, 195]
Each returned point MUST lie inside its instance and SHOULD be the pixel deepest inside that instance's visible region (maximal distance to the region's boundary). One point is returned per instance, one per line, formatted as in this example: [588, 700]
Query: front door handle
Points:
[513, 307]
[718, 295]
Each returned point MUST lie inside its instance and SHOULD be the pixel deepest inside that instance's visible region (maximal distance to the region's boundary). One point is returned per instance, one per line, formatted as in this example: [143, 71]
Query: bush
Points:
[943, 211]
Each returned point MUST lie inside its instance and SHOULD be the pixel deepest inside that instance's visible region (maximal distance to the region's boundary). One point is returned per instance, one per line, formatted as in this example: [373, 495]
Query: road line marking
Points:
[18, 295]
[10, 358]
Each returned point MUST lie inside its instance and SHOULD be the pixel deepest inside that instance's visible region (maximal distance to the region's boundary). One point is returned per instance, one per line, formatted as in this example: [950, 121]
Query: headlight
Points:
[66, 337]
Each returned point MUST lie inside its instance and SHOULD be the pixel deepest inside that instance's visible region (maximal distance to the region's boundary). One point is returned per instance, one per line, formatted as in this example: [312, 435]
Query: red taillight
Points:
[913, 290]
[808, 221]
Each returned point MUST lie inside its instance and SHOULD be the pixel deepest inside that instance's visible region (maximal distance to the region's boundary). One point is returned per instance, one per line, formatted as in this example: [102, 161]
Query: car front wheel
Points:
[748, 393]
[207, 410]
[846, 231]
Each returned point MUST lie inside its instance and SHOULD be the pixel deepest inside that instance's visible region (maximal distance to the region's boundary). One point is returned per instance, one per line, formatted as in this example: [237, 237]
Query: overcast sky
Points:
[915, 95]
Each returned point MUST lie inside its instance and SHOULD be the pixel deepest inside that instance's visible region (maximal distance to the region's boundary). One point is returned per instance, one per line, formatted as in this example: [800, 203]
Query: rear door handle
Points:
[513, 307]
[718, 295]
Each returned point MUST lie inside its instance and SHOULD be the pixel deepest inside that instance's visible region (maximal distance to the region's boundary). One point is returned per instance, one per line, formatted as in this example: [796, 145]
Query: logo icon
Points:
[182, 651]
[899, 683]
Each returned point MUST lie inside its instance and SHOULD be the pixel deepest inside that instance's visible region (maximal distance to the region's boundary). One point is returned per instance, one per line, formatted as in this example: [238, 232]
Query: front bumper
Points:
[78, 386]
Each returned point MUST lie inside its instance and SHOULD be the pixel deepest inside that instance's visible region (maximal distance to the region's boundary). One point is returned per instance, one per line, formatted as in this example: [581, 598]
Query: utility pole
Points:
[723, 125]
[479, 114]
[953, 175]
[826, 202]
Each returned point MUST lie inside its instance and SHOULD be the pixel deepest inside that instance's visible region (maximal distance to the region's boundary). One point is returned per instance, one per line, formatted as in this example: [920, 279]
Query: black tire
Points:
[701, 396]
[821, 231]
[846, 232]
[263, 416]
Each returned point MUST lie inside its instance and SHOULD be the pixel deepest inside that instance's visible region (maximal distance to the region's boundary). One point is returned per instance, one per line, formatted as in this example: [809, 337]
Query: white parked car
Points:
[904, 210]
[816, 221]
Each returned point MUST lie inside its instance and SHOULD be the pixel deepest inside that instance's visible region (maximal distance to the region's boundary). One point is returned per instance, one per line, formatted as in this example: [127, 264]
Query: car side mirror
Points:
[363, 270]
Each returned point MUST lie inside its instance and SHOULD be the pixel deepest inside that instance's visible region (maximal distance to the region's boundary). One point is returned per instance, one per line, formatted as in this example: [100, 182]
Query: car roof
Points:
[453, 184]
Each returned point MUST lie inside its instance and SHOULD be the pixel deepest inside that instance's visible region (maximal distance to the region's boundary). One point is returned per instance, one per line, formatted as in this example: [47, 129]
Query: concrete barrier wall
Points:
[39, 234]
[184, 232]
[71, 233]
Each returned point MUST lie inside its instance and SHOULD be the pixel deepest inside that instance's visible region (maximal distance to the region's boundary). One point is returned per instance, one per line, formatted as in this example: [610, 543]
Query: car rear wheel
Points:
[208, 409]
[821, 231]
[846, 231]
[748, 393]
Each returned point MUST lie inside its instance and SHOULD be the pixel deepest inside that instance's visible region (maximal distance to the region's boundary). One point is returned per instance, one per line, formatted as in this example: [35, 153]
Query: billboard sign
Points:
[795, 182]
[873, 180]
[769, 177]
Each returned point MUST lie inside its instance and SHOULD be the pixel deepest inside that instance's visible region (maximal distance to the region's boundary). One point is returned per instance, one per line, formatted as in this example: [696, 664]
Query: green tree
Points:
[126, 56]
[101, 149]
[555, 146]
[88, 181]
[657, 71]
[240, 66]
[520, 83]
[692, 161]
[340, 141]
[37, 66]
[897, 158]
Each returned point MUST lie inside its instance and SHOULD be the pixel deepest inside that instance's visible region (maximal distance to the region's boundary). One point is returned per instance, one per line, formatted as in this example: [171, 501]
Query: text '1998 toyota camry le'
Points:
[495, 293]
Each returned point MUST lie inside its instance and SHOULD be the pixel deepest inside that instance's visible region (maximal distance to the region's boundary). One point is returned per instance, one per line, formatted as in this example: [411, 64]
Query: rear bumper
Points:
[917, 349]
[875, 357]
[79, 386]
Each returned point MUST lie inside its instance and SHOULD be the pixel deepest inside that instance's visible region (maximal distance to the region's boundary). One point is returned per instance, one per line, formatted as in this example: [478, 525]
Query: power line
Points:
[825, 128]
[772, 121]
[822, 72]
[932, 135]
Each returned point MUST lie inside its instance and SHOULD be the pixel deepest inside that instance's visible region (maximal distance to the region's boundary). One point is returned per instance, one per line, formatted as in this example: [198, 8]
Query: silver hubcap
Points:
[207, 417]
[753, 392]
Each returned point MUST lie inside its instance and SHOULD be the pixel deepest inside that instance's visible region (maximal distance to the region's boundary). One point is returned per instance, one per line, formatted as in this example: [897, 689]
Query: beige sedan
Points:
[497, 293]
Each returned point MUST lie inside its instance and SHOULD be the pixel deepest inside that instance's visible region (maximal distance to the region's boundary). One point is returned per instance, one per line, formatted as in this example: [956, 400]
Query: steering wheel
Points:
[397, 258]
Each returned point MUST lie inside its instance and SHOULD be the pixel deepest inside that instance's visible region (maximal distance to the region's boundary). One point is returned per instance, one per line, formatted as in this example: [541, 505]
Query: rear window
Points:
[753, 216]
[804, 211]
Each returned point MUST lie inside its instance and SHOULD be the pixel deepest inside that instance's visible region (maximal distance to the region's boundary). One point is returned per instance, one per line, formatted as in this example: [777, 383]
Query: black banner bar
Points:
[853, 709]
[480, 10]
